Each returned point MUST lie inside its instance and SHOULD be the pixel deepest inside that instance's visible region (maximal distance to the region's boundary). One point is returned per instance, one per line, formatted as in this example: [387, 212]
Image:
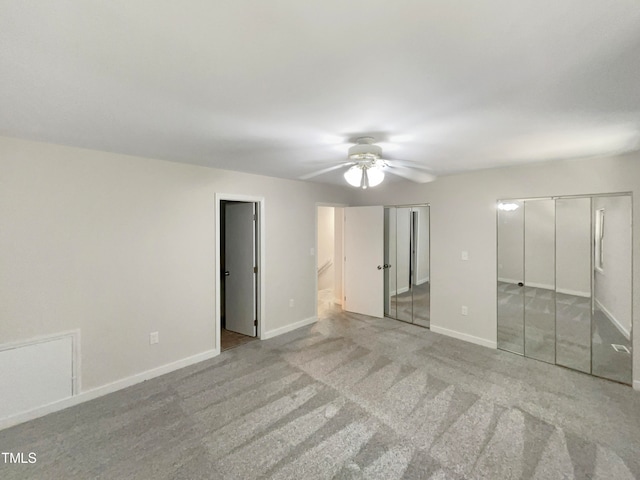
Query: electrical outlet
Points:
[154, 338]
[464, 310]
[291, 303]
[464, 255]
[312, 251]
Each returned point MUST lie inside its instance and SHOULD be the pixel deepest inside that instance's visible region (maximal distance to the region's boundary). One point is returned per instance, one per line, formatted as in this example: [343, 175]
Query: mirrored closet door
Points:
[573, 283]
[564, 282]
[406, 263]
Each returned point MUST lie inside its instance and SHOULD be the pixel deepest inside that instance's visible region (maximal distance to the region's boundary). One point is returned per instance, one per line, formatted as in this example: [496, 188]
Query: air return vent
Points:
[620, 348]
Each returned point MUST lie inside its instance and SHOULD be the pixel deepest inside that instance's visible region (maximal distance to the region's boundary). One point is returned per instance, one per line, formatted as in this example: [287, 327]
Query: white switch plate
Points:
[464, 310]
[291, 302]
[154, 338]
[312, 251]
[464, 255]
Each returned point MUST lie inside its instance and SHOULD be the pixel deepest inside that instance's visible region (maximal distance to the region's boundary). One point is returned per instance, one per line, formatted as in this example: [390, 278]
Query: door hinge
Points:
[254, 217]
[255, 323]
[255, 269]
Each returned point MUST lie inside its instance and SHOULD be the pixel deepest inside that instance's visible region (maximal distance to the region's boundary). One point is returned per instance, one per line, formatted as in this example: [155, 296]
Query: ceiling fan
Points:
[367, 168]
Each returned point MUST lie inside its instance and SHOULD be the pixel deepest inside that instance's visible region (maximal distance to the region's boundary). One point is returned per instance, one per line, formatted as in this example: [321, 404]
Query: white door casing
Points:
[364, 260]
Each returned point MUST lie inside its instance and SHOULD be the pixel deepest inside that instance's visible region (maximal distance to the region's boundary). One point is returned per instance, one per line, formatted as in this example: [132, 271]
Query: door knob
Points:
[226, 274]
[379, 267]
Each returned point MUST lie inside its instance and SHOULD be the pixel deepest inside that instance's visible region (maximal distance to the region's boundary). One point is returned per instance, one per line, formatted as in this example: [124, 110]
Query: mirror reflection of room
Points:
[406, 256]
[564, 282]
[539, 279]
[611, 327]
[511, 276]
[573, 283]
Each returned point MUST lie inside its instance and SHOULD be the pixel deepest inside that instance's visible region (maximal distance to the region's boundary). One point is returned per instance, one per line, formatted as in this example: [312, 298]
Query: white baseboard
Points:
[289, 328]
[400, 291]
[422, 280]
[636, 384]
[577, 293]
[614, 320]
[463, 336]
[544, 286]
[105, 389]
[566, 291]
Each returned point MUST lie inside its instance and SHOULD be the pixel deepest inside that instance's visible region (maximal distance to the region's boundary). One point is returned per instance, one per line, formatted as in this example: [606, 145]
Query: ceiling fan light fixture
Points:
[364, 176]
[354, 175]
[367, 168]
[375, 175]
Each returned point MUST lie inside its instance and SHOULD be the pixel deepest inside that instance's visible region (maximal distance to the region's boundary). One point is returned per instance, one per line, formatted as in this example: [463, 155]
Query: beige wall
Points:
[120, 246]
[463, 217]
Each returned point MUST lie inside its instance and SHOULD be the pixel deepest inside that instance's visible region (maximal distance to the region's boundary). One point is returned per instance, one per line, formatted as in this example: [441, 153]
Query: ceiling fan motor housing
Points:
[365, 149]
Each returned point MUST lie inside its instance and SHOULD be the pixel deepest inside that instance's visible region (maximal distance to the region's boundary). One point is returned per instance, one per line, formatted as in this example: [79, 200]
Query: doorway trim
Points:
[260, 247]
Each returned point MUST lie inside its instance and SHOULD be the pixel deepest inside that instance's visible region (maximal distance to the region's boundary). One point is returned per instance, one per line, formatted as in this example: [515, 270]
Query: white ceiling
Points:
[279, 88]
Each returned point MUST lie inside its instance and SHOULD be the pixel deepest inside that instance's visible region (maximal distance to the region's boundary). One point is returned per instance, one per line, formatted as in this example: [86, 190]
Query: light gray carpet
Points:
[350, 397]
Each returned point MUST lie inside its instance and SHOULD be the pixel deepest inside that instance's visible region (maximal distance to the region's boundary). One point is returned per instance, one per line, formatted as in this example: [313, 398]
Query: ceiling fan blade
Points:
[324, 170]
[408, 164]
[412, 174]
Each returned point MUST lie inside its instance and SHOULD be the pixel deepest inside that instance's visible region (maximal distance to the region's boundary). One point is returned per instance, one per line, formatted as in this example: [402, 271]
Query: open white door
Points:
[240, 276]
[364, 258]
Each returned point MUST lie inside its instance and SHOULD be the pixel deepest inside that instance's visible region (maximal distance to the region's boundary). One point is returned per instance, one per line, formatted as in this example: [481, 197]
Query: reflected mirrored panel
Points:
[611, 319]
[564, 282]
[511, 276]
[421, 268]
[407, 267]
[389, 261]
[539, 279]
[402, 296]
[573, 283]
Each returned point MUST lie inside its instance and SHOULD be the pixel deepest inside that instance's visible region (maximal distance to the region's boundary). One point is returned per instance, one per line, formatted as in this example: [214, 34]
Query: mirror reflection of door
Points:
[407, 286]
